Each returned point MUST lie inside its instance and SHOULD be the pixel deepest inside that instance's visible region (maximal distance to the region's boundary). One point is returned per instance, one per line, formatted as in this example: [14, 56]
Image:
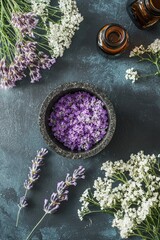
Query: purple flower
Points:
[57, 198]
[62, 191]
[34, 171]
[23, 203]
[79, 120]
[51, 207]
[35, 74]
[77, 174]
[45, 61]
[26, 57]
[33, 176]
[5, 81]
[25, 23]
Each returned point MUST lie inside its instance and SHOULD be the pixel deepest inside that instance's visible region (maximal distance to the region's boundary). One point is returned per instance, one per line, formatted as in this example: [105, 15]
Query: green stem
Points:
[142, 59]
[158, 67]
[97, 211]
[148, 75]
[28, 237]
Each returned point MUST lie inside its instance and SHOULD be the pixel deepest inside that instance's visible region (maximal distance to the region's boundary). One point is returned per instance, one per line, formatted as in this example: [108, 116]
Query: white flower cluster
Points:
[132, 75]
[149, 54]
[39, 6]
[60, 34]
[130, 190]
[85, 203]
[154, 47]
[137, 51]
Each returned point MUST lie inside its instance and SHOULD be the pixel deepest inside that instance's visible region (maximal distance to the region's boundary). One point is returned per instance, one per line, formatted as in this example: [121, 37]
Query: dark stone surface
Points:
[138, 115]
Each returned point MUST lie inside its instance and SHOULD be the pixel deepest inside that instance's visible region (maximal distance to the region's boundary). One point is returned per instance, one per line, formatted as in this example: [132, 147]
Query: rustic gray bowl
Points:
[46, 109]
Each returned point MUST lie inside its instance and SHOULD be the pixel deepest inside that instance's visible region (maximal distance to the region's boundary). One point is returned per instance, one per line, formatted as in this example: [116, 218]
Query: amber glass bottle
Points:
[113, 39]
[144, 13]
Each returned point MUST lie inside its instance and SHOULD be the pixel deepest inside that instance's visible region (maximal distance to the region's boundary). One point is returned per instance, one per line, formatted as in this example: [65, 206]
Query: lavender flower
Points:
[79, 120]
[77, 174]
[23, 203]
[6, 82]
[61, 195]
[52, 27]
[25, 23]
[45, 61]
[35, 74]
[33, 176]
[26, 57]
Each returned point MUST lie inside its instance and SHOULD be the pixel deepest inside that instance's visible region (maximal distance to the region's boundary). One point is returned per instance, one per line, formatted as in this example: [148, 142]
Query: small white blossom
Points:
[137, 51]
[132, 75]
[39, 6]
[125, 225]
[154, 47]
[84, 200]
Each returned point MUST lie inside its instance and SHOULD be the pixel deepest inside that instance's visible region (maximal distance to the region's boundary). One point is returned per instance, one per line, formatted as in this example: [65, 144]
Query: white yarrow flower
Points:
[131, 191]
[132, 75]
[39, 6]
[137, 51]
[61, 34]
[154, 47]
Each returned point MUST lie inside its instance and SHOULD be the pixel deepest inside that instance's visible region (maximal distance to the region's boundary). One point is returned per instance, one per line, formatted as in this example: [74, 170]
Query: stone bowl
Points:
[46, 110]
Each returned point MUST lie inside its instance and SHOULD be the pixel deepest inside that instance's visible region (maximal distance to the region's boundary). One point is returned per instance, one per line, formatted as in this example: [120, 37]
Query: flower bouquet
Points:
[33, 34]
[131, 193]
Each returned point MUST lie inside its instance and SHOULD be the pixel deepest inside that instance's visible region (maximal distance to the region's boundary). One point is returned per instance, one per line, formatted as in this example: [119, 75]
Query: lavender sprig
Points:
[61, 195]
[27, 57]
[33, 176]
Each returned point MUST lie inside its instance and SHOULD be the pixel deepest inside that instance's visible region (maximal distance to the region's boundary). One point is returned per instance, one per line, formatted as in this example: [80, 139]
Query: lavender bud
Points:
[6, 83]
[25, 23]
[79, 173]
[3, 67]
[35, 75]
[28, 185]
[40, 155]
[45, 61]
[23, 203]
[50, 208]
[70, 181]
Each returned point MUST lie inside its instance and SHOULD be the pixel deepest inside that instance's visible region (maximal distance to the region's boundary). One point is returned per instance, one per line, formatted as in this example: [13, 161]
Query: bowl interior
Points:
[49, 109]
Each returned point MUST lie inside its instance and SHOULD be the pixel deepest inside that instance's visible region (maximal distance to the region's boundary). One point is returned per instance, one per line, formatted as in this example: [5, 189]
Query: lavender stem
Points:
[36, 226]
[33, 176]
[20, 208]
[18, 214]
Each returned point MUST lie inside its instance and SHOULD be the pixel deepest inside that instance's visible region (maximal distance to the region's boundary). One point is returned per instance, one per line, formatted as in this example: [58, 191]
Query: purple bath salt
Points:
[79, 120]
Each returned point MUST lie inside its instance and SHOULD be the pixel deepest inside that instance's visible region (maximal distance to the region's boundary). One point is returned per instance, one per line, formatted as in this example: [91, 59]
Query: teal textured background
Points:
[138, 115]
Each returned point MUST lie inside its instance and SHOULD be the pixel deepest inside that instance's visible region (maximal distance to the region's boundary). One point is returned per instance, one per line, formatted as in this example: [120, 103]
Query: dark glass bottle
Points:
[113, 39]
[144, 13]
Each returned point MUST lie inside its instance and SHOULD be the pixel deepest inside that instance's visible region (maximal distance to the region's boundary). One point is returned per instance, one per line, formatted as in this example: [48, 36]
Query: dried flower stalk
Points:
[60, 196]
[33, 176]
